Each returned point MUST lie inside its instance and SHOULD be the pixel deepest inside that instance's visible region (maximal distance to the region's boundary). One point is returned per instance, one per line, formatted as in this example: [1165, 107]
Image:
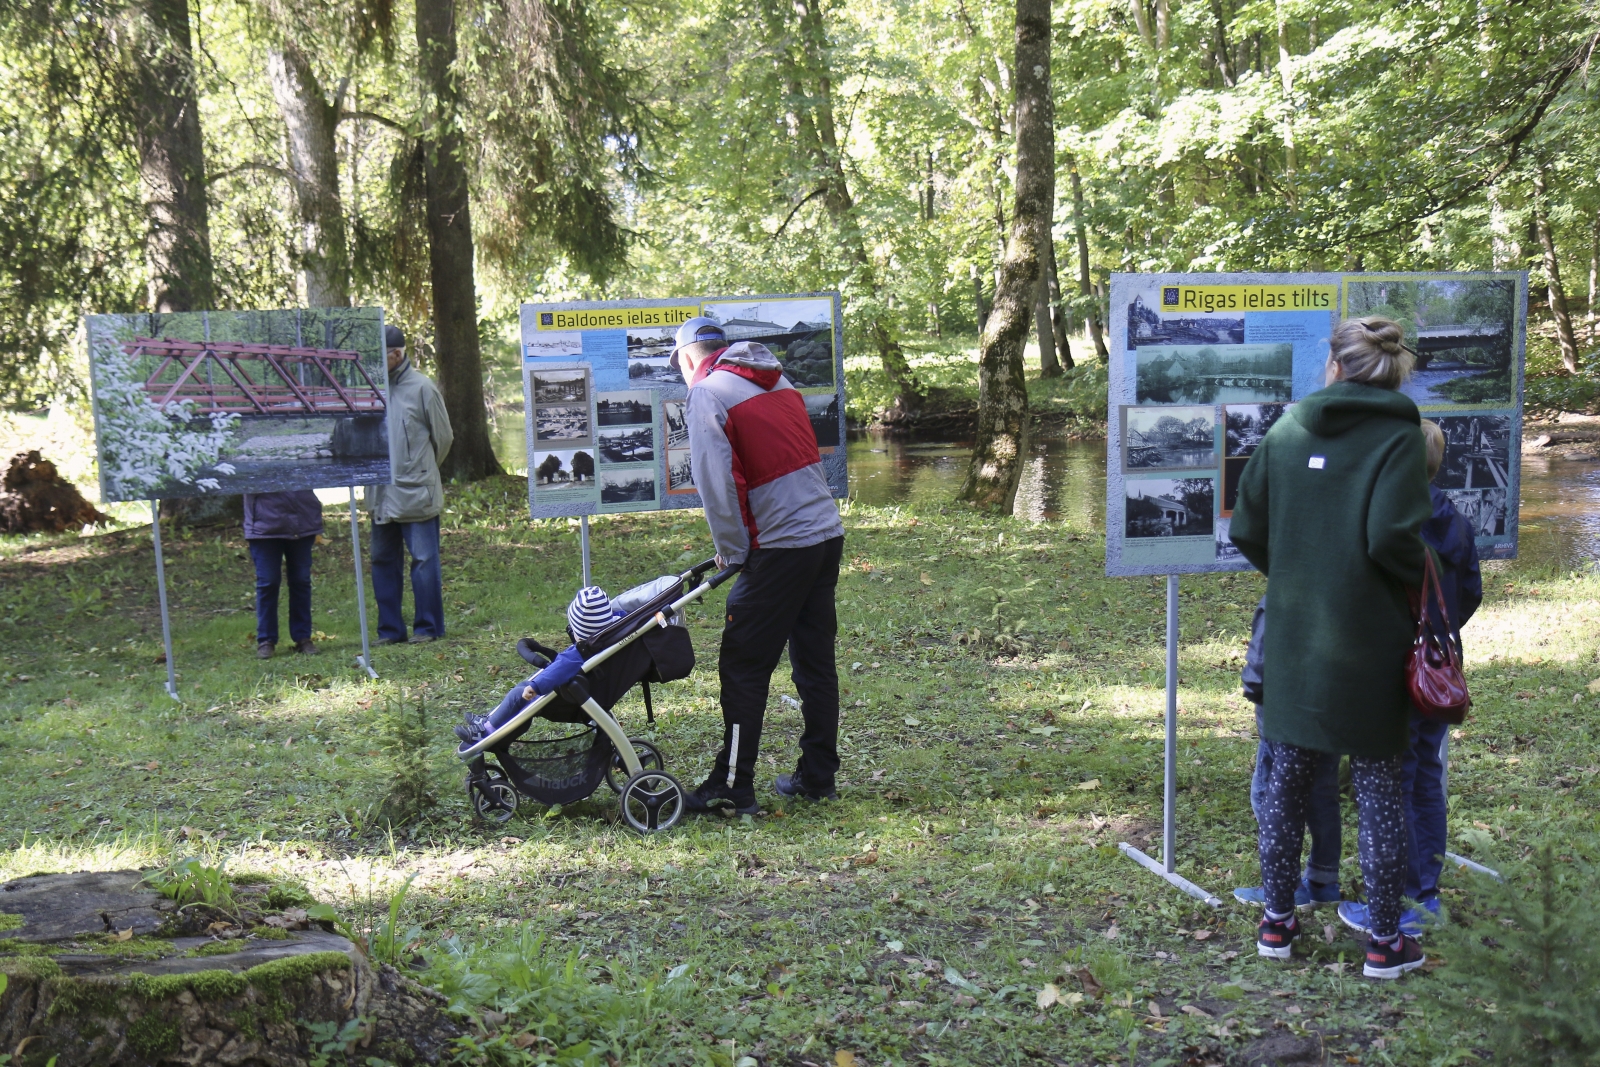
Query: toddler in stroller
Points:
[636, 639]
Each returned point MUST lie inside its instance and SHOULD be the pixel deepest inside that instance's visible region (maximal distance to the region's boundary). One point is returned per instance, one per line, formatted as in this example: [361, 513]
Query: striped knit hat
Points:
[589, 612]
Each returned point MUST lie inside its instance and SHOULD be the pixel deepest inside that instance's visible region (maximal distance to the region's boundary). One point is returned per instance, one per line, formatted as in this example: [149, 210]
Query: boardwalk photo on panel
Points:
[238, 401]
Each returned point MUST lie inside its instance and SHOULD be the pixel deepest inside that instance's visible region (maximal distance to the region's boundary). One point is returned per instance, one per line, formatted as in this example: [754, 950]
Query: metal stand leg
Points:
[583, 544]
[361, 589]
[161, 592]
[1169, 802]
[1444, 782]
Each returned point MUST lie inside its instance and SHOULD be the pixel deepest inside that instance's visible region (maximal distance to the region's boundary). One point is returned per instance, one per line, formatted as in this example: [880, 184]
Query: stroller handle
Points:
[724, 574]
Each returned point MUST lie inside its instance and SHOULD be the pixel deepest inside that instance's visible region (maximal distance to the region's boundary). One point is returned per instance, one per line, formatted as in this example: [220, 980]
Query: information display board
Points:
[606, 425]
[1202, 365]
[197, 402]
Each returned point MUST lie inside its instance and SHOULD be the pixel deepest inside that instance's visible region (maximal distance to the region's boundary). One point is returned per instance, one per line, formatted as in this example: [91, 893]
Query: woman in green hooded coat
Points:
[1330, 508]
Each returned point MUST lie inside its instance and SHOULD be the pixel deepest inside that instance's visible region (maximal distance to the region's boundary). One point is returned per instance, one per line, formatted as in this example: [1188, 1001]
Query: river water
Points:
[1065, 480]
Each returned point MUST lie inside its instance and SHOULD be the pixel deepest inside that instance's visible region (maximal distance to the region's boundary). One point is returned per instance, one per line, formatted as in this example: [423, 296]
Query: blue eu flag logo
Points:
[1169, 296]
[548, 318]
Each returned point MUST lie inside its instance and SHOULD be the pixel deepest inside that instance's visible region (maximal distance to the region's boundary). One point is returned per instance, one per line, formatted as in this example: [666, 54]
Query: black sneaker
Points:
[713, 794]
[1393, 960]
[788, 785]
[1275, 938]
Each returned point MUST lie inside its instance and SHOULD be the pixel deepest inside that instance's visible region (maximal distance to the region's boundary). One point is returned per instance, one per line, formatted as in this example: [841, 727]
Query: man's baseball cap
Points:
[699, 328]
[393, 337]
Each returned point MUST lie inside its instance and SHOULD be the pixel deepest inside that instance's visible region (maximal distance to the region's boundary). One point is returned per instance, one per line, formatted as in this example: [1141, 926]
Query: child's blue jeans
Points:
[509, 707]
[1322, 812]
[1422, 779]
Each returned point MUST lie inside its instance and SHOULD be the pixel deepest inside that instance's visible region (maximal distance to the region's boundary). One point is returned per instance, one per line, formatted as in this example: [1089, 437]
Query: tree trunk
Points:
[1049, 366]
[1141, 19]
[1286, 75]
[450, 261]
[1092, 320]
[172, 165]
[1163, 24]
[820, 140]
[1552, 271]
[313, 124]
[1001, 442]
[977, 298]
[1594, 271]
[1220, 44]
[1058, 315]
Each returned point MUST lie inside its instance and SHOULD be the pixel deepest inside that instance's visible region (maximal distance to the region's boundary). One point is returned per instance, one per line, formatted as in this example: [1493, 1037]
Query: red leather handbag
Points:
[1433, 673]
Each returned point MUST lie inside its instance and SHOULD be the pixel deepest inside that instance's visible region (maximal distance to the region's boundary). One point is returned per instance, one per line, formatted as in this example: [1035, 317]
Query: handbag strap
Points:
[1430, 578]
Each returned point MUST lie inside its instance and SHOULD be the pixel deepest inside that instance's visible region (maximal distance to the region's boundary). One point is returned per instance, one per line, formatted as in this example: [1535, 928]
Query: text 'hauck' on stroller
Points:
[647, 643]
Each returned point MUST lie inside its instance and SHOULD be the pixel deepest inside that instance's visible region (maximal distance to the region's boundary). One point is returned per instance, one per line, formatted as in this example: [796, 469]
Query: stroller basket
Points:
[558, 770]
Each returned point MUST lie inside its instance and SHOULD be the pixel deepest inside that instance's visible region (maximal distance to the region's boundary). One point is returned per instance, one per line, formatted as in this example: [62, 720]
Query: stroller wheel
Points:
[494, 798]
[652, 801]
[649, 759]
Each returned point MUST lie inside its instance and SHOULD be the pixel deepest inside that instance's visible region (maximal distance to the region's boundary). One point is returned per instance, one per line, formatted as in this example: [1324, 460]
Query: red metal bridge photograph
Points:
[257, 379]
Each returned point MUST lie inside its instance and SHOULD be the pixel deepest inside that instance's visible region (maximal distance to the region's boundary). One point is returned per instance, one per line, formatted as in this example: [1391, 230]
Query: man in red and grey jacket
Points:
[756, 466]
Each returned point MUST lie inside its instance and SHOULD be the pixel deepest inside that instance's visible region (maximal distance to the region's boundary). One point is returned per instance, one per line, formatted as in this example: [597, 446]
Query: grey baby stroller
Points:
[647, 644]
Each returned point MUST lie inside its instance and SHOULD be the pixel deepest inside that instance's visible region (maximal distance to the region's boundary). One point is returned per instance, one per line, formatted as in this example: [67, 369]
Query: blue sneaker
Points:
[1307, 894]
[1414, 922]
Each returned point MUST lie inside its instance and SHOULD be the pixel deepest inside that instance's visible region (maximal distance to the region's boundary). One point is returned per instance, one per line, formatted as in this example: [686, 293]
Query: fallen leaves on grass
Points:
[1093, 783]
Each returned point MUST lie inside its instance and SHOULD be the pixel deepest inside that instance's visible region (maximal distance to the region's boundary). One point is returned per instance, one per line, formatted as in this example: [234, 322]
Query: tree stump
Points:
[102, 970]
[37, 499]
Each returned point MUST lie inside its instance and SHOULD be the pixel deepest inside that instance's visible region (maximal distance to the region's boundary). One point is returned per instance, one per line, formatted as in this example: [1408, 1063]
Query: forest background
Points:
[450, 161]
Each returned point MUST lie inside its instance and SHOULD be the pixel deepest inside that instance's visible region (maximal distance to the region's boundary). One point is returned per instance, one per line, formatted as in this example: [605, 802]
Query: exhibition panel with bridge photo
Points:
[1204, 364]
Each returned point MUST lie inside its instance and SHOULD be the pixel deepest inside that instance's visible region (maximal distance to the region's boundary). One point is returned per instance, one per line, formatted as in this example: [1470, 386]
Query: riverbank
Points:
[1001, 736]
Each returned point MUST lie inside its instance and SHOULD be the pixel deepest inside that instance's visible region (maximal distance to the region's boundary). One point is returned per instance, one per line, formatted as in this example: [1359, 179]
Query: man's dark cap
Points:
[393, 337]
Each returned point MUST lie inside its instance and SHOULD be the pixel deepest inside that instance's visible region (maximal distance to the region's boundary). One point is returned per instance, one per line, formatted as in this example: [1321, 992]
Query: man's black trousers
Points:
[783, 596]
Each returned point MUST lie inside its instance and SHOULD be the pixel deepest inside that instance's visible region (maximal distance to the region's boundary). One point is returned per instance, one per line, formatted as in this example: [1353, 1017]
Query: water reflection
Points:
[1065, 481]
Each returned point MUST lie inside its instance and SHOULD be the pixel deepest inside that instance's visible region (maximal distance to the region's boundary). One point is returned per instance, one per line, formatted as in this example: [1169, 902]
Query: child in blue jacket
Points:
[588, 614]
[1452, 538]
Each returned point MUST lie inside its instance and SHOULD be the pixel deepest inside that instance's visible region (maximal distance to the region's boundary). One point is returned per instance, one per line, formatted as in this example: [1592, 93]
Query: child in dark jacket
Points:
[1320, 883]
[589, 613]
[1451, 537]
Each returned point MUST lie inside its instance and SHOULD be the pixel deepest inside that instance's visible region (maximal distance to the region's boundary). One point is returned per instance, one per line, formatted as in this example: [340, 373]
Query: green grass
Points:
[1002, 733]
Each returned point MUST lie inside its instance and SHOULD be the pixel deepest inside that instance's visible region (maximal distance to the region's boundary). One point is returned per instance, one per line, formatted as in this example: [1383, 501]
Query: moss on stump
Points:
[79, 993]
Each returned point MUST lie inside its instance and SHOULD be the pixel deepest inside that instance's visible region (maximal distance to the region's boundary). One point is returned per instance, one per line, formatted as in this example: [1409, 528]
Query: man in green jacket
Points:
[405, 514]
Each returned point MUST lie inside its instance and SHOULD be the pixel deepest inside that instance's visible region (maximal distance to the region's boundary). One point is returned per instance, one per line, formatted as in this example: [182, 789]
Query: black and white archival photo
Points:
[631, 444]
[1477, 451]
[1227, 551]
[1169, 507]
[561, 424]
[680, 474]
[627, 486]
[673, 413]
[1246, 424]
[650, 343]
[654, 371]
[554, 345]
[1146, 326]
[1484, 509]
[1215, 374]
[1169, 438]
[561, 387]
[563, 470]
[823, 409]
[633, 407]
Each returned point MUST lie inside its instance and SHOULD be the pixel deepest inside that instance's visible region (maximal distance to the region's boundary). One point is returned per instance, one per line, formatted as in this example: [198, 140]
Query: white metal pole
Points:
[1169, 800]
[161, 592]
[1444, 788]
[1166, 867]
[583, 544]
[361, 587]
